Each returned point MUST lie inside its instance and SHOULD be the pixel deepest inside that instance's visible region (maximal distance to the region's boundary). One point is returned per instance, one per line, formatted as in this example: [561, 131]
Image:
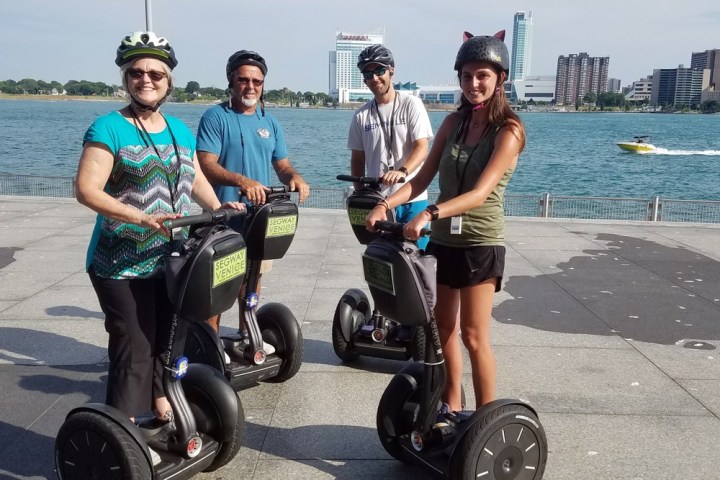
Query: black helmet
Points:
[145, 44]
[245, 57]
[484, 49]
[375, 54]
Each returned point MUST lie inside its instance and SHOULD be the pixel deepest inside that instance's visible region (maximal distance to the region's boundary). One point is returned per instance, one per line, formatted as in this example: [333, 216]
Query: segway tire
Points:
[229, 449]
[355, 305]
[280, 329]
[508, 443]
[90, 446]
[397, 407]
[417, 344]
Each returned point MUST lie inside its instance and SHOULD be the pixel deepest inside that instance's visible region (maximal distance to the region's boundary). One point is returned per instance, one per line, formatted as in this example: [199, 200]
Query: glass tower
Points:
[343, 72]
[521, 46]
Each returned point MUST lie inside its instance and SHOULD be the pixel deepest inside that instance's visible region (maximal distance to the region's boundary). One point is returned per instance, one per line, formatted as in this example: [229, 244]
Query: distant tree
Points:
[590, 97]
[192, 87]
[710, 106]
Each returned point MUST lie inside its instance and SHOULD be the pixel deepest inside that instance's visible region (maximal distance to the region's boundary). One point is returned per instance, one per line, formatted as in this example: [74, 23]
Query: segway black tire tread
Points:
[468, 451]
[229, 449]
[133, 462]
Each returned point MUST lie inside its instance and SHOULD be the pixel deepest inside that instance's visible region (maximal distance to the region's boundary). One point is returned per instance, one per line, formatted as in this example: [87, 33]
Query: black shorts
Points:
[460, 267]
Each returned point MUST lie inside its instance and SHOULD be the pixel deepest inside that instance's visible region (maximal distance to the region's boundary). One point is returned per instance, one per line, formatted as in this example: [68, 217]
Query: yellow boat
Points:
[639, 145]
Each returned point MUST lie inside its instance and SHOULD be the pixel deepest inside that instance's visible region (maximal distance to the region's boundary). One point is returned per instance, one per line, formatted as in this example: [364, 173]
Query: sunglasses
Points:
[244, 81]
[379, 71]
[154, 75]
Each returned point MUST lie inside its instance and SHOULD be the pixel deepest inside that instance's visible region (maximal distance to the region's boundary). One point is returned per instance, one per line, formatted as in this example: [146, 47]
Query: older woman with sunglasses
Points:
[137, 169]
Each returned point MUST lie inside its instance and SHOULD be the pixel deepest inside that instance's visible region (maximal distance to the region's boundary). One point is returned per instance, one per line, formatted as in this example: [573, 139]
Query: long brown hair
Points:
[499, 112]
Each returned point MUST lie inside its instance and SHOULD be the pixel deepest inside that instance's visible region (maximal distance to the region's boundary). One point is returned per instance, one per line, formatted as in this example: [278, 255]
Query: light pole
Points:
[148, 15]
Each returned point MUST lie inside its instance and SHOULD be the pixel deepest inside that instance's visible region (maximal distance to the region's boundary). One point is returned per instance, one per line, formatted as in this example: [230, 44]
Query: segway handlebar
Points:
[396, 229]
[271, 190]
[374, 181]
[217, 216]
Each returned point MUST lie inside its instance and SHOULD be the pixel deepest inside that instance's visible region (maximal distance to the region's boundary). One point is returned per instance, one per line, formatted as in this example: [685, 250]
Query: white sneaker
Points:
[269, 349]
[228, 361]
[154, 456]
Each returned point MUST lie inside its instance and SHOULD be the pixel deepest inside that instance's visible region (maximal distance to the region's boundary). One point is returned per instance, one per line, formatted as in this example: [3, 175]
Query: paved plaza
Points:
[609, 329]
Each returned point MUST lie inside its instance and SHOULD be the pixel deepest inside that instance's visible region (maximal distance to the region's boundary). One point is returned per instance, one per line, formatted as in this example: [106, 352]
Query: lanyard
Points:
[388, 141]
[149, 141]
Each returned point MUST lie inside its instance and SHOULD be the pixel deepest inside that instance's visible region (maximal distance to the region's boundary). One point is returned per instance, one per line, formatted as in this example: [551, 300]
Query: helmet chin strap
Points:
[482, 105]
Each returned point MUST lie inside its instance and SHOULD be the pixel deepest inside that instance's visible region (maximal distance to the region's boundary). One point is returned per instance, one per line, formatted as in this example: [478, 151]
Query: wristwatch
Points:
[434, 212]
[403, 170]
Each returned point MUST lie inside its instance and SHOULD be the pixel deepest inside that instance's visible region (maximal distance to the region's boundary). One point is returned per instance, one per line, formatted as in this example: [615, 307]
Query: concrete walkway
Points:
[610, 330]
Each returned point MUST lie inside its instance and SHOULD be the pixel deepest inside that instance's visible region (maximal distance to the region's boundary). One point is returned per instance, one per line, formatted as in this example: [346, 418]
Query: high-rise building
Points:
[343, 74]
[521, 52]
[678, 86]
[709, 59]
[521, 46]
[578, 75]
[613, 85]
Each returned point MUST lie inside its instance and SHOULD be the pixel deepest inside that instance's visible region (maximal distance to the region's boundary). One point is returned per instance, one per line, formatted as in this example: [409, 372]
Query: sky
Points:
[77, 39]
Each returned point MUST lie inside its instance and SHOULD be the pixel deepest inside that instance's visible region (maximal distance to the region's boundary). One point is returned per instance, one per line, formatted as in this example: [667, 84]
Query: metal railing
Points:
[546, 205]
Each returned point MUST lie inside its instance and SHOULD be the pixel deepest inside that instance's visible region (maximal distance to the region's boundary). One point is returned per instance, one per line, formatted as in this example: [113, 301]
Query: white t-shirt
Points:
[386, 132]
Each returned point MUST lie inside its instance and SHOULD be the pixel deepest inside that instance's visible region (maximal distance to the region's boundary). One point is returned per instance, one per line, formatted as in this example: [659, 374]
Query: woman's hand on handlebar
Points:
[377, 214]
[157, 222]
[414, 228]
[234, 205]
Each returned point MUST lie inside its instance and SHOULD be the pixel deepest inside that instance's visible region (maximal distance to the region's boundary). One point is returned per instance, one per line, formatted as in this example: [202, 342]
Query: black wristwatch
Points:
[403, 170]
[434, 212]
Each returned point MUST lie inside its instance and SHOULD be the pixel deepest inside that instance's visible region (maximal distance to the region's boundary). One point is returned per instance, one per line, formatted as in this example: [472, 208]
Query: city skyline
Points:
[295, 39]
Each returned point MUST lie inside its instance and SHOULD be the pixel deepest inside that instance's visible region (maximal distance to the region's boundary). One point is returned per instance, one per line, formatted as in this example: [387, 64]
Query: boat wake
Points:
[665, 151]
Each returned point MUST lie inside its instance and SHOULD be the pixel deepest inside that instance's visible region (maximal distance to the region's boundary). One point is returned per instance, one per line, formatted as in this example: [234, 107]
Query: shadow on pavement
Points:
[638, 289]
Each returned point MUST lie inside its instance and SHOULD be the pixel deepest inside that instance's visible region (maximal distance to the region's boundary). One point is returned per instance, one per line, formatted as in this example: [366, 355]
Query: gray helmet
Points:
[484, 49]
[375, 54]
[245, 57]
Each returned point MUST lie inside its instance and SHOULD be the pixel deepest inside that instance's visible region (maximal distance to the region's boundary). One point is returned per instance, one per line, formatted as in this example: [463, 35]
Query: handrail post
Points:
[655, 209]
[545, 205]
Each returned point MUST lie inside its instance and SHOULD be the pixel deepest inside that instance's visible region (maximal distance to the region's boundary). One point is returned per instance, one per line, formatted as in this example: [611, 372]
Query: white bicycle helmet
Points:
[145, 44]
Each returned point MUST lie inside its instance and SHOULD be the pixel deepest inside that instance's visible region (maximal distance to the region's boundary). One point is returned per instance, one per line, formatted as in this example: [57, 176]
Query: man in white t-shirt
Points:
[389, 135]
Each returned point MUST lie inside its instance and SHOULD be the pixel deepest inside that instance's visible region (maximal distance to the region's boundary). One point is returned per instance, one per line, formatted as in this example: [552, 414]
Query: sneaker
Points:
[155, 457]
[228, 361]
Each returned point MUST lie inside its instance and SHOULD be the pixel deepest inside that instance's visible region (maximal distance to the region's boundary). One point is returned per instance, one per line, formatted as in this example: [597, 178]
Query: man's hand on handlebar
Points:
[297, 184]
[393, 176]
[254, 191]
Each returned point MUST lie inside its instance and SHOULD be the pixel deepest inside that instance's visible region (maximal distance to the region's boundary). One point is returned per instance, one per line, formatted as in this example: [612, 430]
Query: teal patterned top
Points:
[152, 184]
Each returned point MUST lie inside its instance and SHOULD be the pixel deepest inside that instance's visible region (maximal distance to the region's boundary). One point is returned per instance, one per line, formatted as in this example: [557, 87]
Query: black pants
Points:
[138, 315]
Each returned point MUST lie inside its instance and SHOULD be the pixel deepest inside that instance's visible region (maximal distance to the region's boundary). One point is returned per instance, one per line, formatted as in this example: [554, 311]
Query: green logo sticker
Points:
[357, 215]
[229, 267]
[281, 226]
[379, 274]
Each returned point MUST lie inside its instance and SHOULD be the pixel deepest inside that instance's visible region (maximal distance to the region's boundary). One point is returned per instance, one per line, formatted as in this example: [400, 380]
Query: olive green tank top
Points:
[483, 225]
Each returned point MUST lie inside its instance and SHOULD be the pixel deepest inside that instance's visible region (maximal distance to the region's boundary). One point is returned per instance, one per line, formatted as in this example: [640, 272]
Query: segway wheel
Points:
[353, 309]
[201, 347]
[280, 329]
[509, 443]
[417, 344]
[90, 446]
[398, 406]
[230, 448]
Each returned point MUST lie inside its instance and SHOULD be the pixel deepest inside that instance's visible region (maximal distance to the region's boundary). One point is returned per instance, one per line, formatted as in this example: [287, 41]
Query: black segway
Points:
[97, 441]
[269, 230]
[502, 440]
[357, 328]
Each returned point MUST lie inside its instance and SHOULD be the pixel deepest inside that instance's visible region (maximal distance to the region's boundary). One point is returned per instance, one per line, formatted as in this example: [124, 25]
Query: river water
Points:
[566, 153]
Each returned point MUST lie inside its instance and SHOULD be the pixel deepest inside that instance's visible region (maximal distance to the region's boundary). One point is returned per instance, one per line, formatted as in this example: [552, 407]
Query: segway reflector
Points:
[180, 367]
